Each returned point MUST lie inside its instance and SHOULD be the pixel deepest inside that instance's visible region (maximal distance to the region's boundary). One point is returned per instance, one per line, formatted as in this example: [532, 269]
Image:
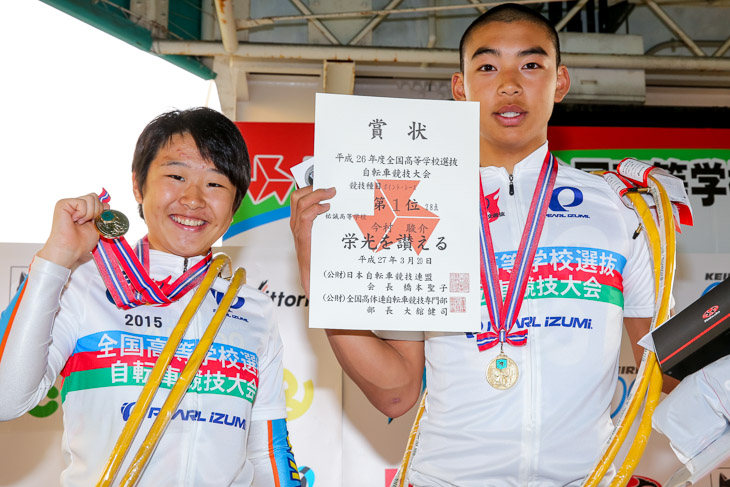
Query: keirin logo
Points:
[710, 313]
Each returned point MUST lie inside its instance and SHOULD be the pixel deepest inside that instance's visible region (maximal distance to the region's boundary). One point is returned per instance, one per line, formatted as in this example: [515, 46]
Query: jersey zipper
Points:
[185, 263]
[511, 185]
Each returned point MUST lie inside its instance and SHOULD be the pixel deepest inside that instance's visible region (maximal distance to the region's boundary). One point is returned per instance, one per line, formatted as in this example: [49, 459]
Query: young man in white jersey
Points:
[190, 172]
[544, 423]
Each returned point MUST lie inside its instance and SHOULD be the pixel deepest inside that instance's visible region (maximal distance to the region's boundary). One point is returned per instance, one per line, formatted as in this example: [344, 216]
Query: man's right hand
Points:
[73, 233]
[306, 204]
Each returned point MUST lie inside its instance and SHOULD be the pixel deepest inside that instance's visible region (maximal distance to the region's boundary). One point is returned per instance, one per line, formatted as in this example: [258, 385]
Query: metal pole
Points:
[227, 24]
[248, 23]
[373, 23]
[319, 25]
[674, 27]
[449, 57]
[722, 49]
[570, 15]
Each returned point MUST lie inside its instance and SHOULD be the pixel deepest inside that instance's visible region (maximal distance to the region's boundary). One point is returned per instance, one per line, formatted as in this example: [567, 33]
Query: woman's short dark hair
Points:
[217, 138]
[510, 12]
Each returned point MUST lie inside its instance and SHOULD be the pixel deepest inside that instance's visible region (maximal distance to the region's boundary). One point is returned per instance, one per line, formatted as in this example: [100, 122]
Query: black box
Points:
[696, 336]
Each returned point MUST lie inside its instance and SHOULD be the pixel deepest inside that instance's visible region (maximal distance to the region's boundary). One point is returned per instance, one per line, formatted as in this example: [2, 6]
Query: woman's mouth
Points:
[188, 222]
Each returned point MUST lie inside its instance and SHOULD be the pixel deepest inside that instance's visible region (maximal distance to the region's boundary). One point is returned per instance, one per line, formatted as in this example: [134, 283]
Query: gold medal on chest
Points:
[502, 372]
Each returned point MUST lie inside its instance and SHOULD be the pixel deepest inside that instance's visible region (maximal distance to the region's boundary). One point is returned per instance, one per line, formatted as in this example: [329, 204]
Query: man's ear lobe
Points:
[563, 83]
[457, 87]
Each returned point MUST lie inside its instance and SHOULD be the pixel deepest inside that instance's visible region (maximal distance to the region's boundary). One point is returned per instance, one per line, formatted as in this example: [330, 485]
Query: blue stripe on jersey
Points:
[8, 312]
[283, 456]
[560, 254]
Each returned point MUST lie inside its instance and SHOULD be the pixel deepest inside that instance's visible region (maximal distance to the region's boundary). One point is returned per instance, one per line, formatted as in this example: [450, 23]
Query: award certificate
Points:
[399, 247]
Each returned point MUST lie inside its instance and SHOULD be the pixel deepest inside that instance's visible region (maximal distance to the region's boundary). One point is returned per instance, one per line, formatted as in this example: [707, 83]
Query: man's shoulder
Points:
[582, 177]
[586, 180]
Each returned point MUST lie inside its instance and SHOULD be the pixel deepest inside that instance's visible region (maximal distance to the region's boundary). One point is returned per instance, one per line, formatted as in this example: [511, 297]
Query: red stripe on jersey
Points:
[91, 360]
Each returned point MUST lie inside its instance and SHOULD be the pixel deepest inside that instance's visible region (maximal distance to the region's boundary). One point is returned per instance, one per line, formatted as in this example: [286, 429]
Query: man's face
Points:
[510, 69]
[187, 202]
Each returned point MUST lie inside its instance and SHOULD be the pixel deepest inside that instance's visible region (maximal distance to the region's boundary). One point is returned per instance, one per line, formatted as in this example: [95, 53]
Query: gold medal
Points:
[502, 372]
[111, 224]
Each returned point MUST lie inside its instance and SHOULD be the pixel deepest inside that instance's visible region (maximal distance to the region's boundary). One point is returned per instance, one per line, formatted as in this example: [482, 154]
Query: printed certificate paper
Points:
[399, 247]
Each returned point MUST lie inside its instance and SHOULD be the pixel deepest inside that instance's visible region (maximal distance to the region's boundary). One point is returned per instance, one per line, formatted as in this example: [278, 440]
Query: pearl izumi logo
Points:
[190, 415]
[280, 298]
[236, 304]
[564, 198]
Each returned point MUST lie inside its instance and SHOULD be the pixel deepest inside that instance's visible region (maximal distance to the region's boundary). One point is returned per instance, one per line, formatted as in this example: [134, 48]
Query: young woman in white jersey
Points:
[190, 172]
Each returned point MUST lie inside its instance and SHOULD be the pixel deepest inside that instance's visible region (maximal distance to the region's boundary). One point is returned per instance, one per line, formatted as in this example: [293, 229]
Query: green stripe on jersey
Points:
[574, 290]
[127, 376]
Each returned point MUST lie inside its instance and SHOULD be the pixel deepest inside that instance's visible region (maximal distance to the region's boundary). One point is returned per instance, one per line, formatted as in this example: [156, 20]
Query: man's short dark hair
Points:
[510, 12]
[217, 138]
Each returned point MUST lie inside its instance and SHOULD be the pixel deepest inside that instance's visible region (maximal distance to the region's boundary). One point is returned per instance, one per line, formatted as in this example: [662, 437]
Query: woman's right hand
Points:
[73, 233]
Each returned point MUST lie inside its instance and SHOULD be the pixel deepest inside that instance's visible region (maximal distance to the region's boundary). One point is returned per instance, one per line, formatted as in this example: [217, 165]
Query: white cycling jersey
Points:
[228, 430]
[588, 273]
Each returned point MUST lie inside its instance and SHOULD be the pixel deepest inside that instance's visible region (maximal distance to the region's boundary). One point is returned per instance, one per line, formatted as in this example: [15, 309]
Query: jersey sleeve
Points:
[271, 454]
[270, 402]
[33, 349]
[638, 274]
[697, 412]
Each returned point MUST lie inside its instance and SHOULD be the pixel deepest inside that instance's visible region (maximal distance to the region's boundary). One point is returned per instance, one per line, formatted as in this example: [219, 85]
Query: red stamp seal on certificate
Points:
[457, 304]
[459, 282]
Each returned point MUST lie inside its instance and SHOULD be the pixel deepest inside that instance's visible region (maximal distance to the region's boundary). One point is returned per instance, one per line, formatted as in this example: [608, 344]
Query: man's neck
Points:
[508, 158]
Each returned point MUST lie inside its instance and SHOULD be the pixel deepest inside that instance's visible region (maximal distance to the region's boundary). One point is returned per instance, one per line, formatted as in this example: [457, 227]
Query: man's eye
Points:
[176, 177]
[215, 185]
[487, 67]
[532, 66]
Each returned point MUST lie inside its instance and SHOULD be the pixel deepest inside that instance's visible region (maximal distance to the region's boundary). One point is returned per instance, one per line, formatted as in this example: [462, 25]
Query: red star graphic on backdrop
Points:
[269, 178]
[397, 217]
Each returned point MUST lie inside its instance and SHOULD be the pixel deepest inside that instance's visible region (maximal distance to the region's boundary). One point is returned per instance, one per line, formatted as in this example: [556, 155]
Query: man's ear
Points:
[563, 85]
[137, 192]
[457, 86]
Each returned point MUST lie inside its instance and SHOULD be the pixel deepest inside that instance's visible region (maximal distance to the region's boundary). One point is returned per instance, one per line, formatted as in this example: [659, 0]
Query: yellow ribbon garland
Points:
[648, 383]
[119, 452]
[663, 249]
[400, 476]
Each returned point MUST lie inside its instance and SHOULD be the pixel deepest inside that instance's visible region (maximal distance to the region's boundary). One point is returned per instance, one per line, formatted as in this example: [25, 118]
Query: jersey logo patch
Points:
[492, 201]
[565, 197]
